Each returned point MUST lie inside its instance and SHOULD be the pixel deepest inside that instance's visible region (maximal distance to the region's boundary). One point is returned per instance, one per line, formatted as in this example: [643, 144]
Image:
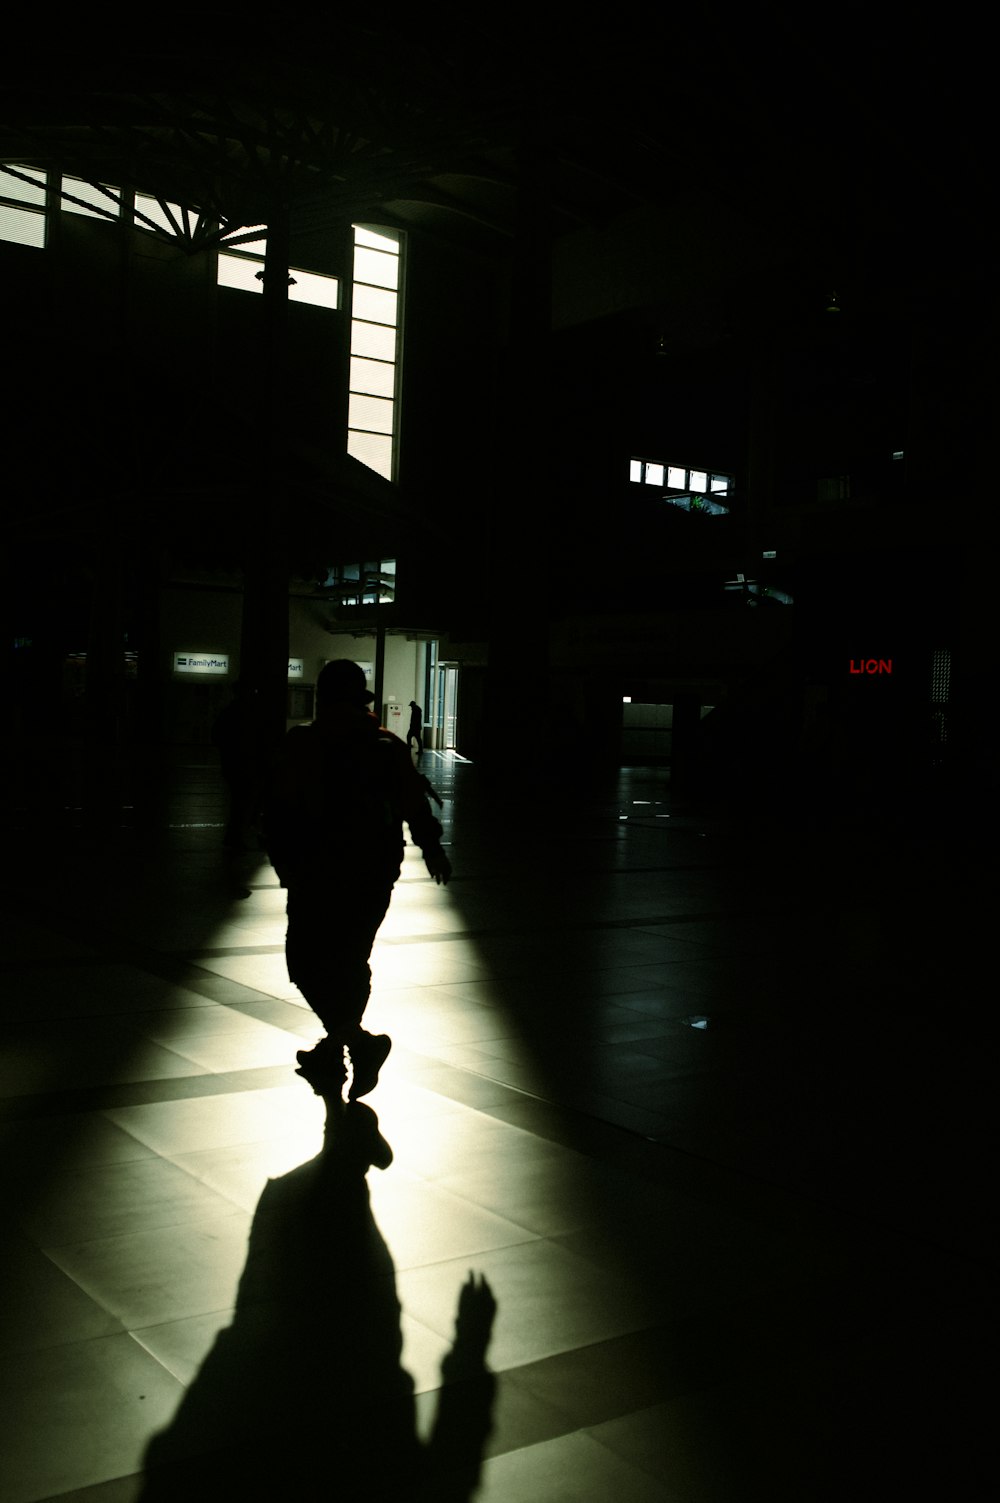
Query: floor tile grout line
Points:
[101, 1098]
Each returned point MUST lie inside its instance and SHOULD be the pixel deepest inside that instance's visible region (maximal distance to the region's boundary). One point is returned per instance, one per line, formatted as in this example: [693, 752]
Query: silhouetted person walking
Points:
[416, 730]
[334, 826]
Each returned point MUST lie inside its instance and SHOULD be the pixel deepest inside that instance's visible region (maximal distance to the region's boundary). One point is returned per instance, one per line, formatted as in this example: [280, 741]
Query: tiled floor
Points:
[704, 1104]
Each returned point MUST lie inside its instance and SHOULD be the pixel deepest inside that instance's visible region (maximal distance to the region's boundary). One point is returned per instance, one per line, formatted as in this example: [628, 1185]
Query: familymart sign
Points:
[211, 664]
[216, 665]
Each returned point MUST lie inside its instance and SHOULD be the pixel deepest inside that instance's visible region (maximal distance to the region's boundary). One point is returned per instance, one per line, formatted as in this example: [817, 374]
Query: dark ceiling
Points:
[849, 135]
[712, 172]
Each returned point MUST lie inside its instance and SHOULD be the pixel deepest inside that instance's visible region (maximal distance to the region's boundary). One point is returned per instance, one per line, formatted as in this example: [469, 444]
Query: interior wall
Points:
[204, 621]
[403, 675]
[193, 620]
[647, 730]
[310, 640]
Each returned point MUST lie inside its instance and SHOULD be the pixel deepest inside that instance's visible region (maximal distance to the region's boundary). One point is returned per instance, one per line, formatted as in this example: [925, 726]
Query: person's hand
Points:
[477, 1308]
[438, 865]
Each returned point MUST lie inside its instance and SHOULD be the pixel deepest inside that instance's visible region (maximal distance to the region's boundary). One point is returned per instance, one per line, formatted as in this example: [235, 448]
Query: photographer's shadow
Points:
[304, 1394]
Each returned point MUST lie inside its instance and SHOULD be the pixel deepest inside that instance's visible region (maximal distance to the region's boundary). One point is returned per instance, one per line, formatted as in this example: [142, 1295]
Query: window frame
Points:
[703, 499]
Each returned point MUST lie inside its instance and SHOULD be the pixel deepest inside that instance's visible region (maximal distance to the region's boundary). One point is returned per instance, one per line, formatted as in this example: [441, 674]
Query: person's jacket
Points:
[341, 790]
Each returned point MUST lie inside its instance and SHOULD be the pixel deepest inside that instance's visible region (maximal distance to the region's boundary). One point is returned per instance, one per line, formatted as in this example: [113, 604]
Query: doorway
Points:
[446, 708]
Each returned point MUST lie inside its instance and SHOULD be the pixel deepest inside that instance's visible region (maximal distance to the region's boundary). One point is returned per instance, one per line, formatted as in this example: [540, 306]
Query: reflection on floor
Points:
[702, 1106]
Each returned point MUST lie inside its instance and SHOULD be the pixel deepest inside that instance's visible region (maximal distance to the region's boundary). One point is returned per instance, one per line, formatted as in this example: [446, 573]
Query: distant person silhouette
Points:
[416, 730]
[334, 827]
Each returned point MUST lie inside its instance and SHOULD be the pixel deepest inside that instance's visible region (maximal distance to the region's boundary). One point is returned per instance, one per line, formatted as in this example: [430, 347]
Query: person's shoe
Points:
[323, 1068]
[368, 1054]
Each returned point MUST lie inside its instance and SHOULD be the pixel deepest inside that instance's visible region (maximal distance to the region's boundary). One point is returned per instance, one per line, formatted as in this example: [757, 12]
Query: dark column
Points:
[379, 684]
[683, 740]
[761, 453]
[264, 643]
[519, 537]
[105, 682]
[343, 236]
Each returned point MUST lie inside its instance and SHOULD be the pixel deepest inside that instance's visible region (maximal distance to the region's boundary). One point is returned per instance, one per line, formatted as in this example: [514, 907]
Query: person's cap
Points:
[343, 682]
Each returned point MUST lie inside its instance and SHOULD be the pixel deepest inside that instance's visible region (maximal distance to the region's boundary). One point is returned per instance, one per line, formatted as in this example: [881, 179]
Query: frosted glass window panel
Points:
[375, 340]
[376, 268]
[720, 484]
[372, 449]
[635, 469]
[183, 223]
[154, 210]
[677, 479]
[374, 315]
[310, 287]
[22, 226]
[96, 202]
[32, 192]
[376, 241]
[235, 272]
[248, 247]
[373, 377]
[699, 481]
[654, 474]
[371, 413]
[374, 305]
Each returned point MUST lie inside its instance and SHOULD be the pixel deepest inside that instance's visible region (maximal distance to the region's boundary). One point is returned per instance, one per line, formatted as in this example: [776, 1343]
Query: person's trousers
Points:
[331, 930]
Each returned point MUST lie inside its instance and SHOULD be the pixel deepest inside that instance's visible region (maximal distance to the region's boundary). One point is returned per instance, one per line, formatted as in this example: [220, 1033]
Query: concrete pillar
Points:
[264, 640]
[520, 519]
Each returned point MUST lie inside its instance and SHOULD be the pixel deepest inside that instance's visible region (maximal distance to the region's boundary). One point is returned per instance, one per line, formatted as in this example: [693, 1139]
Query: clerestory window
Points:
[370, 583]
[373, 402]
[22, 205]
[373, 410]
[242, 267]
[689, 489]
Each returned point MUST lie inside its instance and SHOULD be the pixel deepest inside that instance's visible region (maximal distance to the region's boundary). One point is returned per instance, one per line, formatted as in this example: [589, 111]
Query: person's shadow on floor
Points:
[304, 1395]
